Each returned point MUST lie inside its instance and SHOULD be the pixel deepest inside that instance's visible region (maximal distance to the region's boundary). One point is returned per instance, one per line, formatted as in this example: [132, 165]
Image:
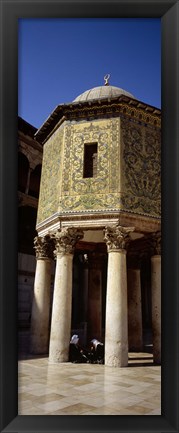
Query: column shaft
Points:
[61, 310]
[41, 307]
[116, 337]
[134, 310]
[156, 306]
[95, 304]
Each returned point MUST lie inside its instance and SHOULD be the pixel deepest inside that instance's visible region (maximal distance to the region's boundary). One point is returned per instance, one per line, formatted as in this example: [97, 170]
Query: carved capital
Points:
[66, 239]
[156, 242]
[43, 246]
[117, 237]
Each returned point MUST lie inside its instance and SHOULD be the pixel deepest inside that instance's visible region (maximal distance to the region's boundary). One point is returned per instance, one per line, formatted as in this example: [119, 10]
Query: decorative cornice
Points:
[117, 237]
[122, 105]
[92, 215]
[143, 224]
[114, 109]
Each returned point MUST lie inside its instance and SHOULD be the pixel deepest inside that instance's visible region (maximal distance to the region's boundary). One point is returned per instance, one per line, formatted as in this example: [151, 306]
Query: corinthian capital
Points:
[156, 242]
[117, 237]
[43, 247]
[66, 239]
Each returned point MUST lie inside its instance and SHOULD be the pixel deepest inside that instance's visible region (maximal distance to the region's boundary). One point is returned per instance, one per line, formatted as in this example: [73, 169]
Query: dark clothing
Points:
[97, 354]
[77, 354]
[100, 352]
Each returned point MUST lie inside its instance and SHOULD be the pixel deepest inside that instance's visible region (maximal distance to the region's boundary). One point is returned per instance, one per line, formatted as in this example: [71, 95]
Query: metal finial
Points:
[106, 79]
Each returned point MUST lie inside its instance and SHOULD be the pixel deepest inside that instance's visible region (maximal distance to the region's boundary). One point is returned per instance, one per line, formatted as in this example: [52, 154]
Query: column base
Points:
[113, 361]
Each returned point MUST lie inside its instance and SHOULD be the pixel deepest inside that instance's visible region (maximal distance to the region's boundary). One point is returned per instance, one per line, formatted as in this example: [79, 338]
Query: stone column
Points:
[156, 297]
[85, 285]
[28, 180]
[95, 296]
[84, 294]
[116, 335]
[134, 310]
[65, 241]
[41, 300]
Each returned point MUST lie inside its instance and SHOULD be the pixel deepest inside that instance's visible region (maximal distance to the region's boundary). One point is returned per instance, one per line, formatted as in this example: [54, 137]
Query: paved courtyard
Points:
[89, 389]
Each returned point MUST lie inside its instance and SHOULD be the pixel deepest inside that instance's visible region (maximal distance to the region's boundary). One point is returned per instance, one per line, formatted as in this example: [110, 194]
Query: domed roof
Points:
[100, 92]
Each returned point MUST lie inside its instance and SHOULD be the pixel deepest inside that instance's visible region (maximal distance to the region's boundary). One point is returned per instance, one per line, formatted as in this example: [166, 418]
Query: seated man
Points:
[97, 351]
[76, 353]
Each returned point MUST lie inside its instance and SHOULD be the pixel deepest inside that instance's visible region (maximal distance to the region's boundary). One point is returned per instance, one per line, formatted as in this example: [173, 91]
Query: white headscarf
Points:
[74, 339]
[96, 342]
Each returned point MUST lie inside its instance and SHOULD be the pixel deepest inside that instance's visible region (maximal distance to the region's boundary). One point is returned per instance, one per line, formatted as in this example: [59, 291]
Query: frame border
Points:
[168, 11]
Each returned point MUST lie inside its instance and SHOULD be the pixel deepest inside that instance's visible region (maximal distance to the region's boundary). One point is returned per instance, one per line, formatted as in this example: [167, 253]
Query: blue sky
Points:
[60, 58]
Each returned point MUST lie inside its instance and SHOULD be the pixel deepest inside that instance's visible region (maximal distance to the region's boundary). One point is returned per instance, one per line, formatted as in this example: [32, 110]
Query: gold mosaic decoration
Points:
[50, 177]
[141, 168]
[128, 168]
[90, 193]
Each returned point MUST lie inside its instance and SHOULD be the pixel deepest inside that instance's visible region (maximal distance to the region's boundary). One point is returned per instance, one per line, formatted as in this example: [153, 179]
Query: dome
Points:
[100, 92]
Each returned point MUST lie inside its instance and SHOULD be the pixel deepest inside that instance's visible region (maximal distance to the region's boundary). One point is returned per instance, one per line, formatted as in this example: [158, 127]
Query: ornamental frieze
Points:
[83, 202]
[141, 204]
[114, 109]
[111, 202]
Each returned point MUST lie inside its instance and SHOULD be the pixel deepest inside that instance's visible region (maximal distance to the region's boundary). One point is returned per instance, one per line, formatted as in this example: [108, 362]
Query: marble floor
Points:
[89, 389]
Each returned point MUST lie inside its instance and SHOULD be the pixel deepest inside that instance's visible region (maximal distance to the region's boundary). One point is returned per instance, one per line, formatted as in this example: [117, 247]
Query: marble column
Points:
[95, 296]
[85, 286]
[84, 295]
[41, 299]
[156, 297]
[134, 310]
[65, 241]
[116, 332]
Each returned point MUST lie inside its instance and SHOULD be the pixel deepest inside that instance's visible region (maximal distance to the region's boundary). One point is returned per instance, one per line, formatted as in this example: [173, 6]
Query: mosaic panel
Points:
[141, 168]
[80, 193]
[128, 169]
[50, 177]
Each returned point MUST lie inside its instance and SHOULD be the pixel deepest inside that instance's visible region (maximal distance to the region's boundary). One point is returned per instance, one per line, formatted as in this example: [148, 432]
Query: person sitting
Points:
[97, 351]
[76, 353]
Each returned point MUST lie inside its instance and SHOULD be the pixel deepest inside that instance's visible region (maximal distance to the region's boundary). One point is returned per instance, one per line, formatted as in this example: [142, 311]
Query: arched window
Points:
[90, 160]
[23, 168]
[35, 181]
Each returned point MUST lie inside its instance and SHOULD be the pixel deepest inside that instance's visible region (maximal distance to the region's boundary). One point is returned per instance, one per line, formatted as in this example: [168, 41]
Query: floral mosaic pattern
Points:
[128, 169]
[90, 193]
[50, 177]
[141, 167]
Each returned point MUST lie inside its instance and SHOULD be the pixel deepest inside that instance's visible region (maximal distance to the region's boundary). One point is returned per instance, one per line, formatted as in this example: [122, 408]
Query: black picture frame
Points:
[168, 11]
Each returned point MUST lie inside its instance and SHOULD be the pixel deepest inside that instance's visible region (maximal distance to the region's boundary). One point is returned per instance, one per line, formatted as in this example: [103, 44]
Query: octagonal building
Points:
[99, 217]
